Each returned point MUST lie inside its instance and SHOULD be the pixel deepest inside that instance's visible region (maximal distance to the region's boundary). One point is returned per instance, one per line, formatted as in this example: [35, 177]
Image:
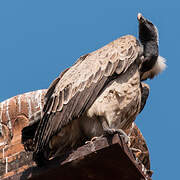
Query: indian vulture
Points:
[99, 95]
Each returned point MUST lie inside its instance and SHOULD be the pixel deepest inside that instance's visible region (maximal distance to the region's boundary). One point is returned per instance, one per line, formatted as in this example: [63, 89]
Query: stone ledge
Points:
[102, 159]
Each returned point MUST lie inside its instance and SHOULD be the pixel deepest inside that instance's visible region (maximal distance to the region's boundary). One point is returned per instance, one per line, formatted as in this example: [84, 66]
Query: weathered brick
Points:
[2, 167]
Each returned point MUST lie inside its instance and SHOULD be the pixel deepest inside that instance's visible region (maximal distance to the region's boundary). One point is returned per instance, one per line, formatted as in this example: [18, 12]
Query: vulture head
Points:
[152, 64]
[147, 30]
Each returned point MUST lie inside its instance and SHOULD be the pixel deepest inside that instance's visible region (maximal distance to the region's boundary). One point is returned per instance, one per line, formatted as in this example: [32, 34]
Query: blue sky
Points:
[38, 39]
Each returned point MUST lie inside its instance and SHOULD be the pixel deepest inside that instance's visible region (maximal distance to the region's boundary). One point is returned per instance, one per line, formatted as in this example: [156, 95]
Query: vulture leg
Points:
[111, 131]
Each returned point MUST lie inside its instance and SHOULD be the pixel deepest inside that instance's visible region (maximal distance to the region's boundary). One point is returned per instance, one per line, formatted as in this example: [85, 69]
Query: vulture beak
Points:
[140, 18]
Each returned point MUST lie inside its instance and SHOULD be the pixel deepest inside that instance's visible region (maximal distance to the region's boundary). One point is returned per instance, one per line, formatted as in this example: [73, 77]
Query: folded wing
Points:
[75, 90]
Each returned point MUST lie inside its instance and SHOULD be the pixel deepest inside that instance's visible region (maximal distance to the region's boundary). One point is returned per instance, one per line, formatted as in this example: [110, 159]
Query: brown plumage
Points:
[71, 95]
[100, 93]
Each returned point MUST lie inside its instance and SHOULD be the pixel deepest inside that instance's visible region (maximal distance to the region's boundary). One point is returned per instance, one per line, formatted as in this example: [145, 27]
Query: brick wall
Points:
[14, 115]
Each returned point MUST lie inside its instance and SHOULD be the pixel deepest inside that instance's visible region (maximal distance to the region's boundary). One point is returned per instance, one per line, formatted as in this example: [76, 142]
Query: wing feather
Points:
[74, 92]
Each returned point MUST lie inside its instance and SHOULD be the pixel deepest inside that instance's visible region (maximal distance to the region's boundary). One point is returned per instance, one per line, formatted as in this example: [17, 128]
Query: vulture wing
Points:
[75, 90]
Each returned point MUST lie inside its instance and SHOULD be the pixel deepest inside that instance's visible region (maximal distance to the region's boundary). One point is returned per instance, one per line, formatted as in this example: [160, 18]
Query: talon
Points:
[87, 142]
[120, 132]
[93, 139]
[136, 150]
